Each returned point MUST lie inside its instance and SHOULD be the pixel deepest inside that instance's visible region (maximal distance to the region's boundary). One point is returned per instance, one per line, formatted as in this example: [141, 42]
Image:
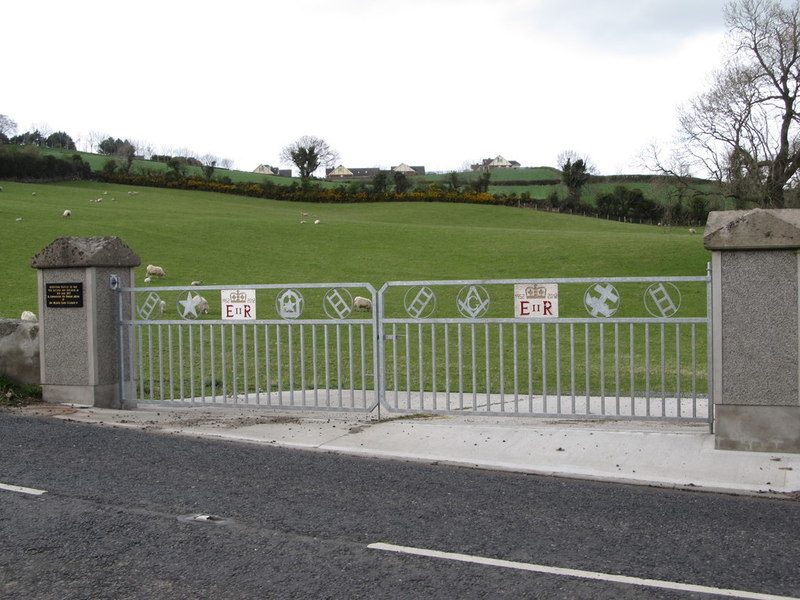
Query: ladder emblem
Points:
[149, 305]
[338, 303]
[420, 302]
[662, 299]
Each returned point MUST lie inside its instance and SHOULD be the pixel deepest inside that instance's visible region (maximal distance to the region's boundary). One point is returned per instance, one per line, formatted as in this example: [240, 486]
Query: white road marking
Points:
[21, 490]
[654, 583]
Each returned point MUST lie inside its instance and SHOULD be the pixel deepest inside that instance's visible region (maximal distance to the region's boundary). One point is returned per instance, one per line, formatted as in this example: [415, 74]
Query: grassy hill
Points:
[536, 183]
[223, 239]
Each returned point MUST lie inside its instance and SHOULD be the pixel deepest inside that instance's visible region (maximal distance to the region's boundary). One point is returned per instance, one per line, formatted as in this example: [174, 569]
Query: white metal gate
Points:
[299, 346]
[600, 348]
[631, 348]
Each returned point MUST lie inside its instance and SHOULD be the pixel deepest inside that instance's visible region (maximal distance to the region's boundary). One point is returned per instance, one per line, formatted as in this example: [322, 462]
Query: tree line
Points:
[26, 163]
[622, 203]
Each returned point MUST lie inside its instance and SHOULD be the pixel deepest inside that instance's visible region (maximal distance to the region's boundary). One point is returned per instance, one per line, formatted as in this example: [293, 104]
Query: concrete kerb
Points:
[663, 454]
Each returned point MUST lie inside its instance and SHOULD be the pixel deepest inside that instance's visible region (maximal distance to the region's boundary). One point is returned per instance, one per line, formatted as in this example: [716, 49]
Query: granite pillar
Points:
[756, 328]
[78, 318]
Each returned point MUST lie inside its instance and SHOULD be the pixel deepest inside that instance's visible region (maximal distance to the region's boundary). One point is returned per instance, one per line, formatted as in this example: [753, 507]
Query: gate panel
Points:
[631, 348]
[297, 346]
[616, 347]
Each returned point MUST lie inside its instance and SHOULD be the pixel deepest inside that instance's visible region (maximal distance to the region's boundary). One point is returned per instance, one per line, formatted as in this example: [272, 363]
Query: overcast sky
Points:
[439, 83]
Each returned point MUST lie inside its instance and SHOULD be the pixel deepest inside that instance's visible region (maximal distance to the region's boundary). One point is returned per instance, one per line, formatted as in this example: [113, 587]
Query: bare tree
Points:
[94, 138]
[467, 165]
[43, 128]
[143, 148]
[184, 152]
[744, 131]
[308, 154]
[8, 126]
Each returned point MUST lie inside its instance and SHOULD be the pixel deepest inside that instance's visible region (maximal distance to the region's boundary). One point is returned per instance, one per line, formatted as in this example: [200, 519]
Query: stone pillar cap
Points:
[757, 229]
[106, 251]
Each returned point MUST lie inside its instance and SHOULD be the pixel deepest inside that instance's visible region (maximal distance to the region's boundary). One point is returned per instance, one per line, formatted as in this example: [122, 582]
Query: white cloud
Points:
[628, 26]
[436, 83]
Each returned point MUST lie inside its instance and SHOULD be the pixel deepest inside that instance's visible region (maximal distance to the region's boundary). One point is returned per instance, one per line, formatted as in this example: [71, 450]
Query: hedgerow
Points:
[23, 163]
[309, 192]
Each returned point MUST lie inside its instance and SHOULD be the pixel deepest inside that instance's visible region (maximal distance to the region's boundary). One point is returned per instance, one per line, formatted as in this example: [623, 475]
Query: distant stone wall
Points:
[19, 351]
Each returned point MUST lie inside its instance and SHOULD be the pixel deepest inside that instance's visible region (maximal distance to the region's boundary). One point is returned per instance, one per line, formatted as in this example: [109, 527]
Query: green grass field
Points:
[224, 239]
[231, 240]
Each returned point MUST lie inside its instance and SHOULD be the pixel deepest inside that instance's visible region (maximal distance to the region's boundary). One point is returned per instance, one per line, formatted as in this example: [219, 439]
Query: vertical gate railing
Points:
[294, 346]
[615, 347]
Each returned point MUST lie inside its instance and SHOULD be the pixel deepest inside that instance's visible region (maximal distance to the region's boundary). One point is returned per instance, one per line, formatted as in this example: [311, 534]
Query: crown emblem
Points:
[536, 291]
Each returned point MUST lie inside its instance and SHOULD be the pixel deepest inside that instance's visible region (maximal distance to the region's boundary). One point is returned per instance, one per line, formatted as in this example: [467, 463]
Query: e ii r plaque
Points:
[63, 295]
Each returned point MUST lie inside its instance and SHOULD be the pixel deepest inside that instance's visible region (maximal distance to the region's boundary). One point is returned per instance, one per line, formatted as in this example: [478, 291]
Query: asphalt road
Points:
[119, 519]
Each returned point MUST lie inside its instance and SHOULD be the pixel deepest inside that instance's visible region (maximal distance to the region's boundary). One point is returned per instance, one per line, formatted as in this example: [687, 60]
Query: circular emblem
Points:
[662, 299]
[289, 304]
[419, 302]
[153, 305]
[338, 303]
[191, 306]
[472, 301]
[601, 300]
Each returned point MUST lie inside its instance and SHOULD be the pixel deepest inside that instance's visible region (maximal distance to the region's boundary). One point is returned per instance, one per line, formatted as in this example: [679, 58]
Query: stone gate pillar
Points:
[756, 328]
[78, 312]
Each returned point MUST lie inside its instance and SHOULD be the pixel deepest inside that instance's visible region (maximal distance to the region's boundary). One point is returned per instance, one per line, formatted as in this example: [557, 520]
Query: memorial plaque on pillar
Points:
[64, 295]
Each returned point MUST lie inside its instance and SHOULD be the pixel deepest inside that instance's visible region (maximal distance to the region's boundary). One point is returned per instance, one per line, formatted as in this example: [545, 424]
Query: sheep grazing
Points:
[316, 221]
[19, 219]
[28, 316]
[361, 303]
[197, 282]
[155, 271]
[200, 304]
[692, 230]
[148, 279]
[67, 213]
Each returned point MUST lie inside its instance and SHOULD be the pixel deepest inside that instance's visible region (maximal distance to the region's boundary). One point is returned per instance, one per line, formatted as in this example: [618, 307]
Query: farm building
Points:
[495, 163]
[342, 172]
[268, 170]
[404, 168]
[339, 172]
